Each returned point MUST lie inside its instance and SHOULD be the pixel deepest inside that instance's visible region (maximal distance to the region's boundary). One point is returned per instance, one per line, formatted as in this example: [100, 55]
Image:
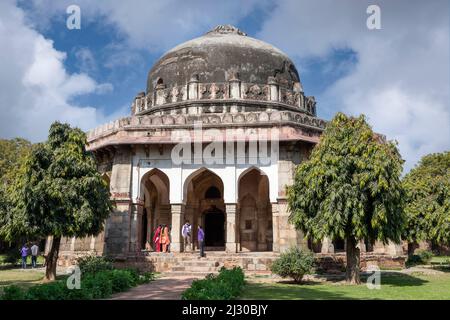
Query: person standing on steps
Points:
[165, 239]
[186, 233]
[157, 239]
[201, 241]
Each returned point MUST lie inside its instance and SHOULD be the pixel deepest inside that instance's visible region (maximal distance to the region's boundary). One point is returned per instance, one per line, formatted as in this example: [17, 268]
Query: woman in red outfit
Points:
[157, 239]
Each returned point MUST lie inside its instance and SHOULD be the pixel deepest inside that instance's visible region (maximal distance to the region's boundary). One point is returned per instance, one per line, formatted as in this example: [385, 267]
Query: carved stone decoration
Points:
[263, 117]
[204, 92]
[287, 97]
[180, 120]
[214, 119]
[251, 117]
[227, 118]
[157, 121]
[275, 116]
[239, 118]
[168, 120]
[174, 94]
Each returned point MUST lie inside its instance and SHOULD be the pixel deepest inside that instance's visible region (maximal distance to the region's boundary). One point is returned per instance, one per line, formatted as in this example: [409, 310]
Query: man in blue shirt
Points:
[201, 241]
[24, 254]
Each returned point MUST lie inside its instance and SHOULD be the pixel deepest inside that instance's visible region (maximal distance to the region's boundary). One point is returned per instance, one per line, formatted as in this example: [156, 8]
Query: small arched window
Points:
[212, 193]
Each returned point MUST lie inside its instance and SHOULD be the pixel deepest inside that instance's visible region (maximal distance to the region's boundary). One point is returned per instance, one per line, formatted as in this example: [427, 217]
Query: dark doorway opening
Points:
[214, 227]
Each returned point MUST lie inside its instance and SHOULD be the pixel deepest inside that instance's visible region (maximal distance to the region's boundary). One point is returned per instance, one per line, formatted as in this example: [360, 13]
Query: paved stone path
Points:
[163, 288]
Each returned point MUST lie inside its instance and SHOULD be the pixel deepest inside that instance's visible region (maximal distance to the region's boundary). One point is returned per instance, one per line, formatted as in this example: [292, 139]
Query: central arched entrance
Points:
[203, 194]
[214, 221]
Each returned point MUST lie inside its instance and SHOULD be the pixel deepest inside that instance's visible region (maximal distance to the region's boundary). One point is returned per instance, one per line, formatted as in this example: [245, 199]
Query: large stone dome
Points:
[219, 55]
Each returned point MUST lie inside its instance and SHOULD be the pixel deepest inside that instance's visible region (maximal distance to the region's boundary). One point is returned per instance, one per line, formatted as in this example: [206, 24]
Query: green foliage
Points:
[94, 263]
[427, 207]
[421, 257]
[94, 285]
[13, 292]
[350, 186]
[227, 285]
[294, 263]
[56, 190]
[11, 153]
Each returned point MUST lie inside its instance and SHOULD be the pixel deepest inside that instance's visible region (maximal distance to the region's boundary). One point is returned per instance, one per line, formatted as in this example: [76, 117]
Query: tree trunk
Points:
[353, 259]
[412, 246]
[52, 259]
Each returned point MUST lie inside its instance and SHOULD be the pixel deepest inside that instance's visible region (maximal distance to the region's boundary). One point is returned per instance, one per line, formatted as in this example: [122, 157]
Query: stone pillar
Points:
[273, 89]
[177, 221]
[135, 228]
[275, 228]
[235, 87]
[327, 246]
[117, 226]
[262, 228]
[231, 244]
[193, 88]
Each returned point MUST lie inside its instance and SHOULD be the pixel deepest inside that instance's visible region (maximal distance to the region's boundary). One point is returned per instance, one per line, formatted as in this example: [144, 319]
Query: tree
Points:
[427, 207]
[349, 189]
[11, 153]
[57, 191]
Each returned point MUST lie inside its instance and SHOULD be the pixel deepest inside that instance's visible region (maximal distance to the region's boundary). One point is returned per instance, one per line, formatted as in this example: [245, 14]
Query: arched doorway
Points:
[254, 212]
[156, 206]
[203, 194]
[214, 221]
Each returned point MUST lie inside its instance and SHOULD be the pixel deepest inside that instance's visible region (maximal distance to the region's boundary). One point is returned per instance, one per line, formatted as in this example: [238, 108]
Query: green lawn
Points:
[22, 278]
[393, 286]
[440, 259]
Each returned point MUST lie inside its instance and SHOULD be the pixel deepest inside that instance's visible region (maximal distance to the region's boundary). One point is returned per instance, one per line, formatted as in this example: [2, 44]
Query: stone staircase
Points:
[190, 264]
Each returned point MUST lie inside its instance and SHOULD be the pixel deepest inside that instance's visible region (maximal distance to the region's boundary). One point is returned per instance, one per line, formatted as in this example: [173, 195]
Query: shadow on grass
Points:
[328, 290]
[285, 291]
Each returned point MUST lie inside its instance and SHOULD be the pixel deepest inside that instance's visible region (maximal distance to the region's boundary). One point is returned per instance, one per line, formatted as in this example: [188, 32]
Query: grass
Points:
[40, 260]
[440, 259]
[394, 286]
[21, 278]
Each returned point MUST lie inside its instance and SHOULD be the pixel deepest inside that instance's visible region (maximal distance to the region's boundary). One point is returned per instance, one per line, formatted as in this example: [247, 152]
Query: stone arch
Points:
[203, 208]
[154, 205]
[254, 211]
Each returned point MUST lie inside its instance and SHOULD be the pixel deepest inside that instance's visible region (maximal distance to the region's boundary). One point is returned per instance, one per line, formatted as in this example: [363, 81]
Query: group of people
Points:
[25, 252]
[162, 238]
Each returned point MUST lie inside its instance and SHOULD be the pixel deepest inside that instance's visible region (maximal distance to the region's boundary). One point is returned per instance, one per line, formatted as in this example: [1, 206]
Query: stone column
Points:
[262, 228]
[231, 244]
[235, 86]
[394, 249]
[177, 221]
[135, 228]
[193, 88]
[327, 246]
[273, 89]
[275, 228]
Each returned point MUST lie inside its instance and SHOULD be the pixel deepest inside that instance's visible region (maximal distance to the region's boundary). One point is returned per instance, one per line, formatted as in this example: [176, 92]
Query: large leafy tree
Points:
[427, 208]
[56, 192]
[349, 189]
[11, 153]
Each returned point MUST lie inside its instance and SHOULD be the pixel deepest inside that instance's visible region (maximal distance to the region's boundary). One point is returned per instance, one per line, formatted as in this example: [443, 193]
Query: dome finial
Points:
[227, 29]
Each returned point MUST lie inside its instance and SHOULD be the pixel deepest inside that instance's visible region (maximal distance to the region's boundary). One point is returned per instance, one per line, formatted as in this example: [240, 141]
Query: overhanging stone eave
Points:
[118, 137]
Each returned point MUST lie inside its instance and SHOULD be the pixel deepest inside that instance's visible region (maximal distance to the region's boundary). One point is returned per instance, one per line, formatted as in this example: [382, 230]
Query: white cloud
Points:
[152, 25]
[401, 79]
[35, 88]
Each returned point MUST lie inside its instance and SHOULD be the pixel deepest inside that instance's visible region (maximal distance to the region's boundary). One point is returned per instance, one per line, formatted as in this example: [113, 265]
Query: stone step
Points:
[194, 269]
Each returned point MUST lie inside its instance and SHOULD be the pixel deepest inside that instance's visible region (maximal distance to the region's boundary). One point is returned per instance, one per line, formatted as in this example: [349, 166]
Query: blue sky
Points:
[398, 76]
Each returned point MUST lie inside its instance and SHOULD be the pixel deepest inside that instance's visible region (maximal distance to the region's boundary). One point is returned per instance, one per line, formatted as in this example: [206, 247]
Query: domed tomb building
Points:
[214, 140]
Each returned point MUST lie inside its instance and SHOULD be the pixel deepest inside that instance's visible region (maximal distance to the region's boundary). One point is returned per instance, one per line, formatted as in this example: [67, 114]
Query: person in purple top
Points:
[201, 241]
[24, 254]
